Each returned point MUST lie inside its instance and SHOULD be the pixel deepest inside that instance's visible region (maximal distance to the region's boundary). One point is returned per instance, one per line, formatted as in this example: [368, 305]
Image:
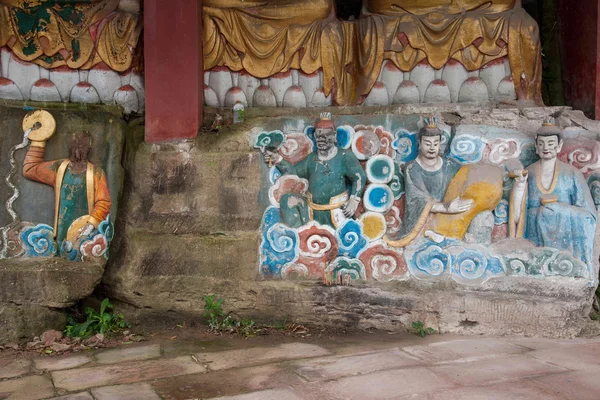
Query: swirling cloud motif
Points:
[397, 182]
[107, 229]
[501, 212]
[405, 145]
[351, 239]
[501, 150]
[94, 248]
[365, 144]
[279, 247]
[595, 190]
[345, 268]
[467, 149]
[393, 221]
[528, 154]
[296, 147]
[294, 271]
[380, 169]
[432, 260]
[309, 131]
[69, 251]
[561, 263]
[383, 263]
[583, 155]
[470, 264]
[345, 136]
[274, 174]
[38, 241]
[385, 139]
[378, 198]
[317, 241]
[287, 184]
[272, 139]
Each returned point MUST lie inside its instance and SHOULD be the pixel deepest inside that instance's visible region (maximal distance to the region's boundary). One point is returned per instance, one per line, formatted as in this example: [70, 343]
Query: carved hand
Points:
[349, 207]
[459, 205]
[271, 157]
[520, 175]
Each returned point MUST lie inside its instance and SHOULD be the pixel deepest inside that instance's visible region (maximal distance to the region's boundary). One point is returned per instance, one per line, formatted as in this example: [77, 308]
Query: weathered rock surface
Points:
[189, 227]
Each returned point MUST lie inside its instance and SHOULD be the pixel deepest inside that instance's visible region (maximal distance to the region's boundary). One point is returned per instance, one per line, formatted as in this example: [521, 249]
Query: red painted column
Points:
[173, 69]
[597, 97]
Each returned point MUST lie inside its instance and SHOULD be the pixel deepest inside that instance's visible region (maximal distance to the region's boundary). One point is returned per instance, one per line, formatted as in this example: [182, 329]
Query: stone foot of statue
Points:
[434, 236]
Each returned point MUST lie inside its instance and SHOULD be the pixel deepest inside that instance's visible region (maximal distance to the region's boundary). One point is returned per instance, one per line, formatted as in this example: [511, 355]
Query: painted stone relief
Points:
[82, 227]
[360, 202]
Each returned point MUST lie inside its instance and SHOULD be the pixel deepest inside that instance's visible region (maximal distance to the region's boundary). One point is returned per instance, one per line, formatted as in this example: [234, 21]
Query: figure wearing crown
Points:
[443, 197]
[336, 181]
[551, 204]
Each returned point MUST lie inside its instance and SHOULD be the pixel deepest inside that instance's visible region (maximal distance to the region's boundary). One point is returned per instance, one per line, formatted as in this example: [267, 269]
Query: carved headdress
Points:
[325, 121]
[549, 128]
[430, 127]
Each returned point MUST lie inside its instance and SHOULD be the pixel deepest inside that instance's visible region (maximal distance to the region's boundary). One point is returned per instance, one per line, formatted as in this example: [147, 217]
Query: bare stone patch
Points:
[125, 373]
[76, 396]
[382, 385]
[260, 355]
[520, 390]
[335, 367]
[570, 356]
[276, 394]
[243, 380]
[123, 354]
[29, 388]
[126, 392]
[55, 364]
[15, 368]
[495, 369]
[580, 385]
[457, 349]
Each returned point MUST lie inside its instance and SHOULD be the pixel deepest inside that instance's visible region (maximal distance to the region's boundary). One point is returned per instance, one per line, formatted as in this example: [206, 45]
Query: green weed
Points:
[103, 322]
[421, 330]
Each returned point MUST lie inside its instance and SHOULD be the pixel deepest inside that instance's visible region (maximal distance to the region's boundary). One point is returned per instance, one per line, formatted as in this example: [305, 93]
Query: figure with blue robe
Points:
[551, 204]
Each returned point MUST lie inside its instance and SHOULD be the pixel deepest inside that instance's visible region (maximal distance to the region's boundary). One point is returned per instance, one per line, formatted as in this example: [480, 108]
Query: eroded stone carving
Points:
[427, 215]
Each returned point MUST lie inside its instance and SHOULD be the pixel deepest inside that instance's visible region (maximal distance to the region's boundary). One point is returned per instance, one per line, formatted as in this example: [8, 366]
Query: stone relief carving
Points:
[82, 228]
[431, 204]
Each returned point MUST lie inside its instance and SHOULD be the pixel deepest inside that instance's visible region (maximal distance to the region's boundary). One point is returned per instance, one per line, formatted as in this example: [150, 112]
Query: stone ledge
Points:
[47, 281]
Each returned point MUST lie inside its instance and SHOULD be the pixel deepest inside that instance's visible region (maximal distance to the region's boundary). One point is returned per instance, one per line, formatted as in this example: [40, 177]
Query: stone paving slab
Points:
[278, 394]
[75, 396]
[242, 380]
[578, 356]
[260, 355]
[14, 368]
[58, 363]
[488, 370]
[465, 348]
[384, 385]
[123, 354]
[580, 385]
[520, 390]
[28, 388]
[334, 367]
[139, 371]
[136, 391]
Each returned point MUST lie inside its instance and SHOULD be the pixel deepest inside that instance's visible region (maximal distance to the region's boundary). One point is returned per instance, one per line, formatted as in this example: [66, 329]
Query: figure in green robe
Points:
[336, 181]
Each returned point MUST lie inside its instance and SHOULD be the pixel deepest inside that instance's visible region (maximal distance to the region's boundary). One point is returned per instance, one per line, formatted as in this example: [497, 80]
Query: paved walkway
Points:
[439, 367]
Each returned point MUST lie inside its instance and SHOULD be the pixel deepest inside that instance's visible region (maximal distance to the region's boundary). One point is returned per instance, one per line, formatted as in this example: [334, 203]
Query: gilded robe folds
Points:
[271, 37]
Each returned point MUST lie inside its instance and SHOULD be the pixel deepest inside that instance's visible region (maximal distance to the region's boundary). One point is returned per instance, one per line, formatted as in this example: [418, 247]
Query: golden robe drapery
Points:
[269, 37]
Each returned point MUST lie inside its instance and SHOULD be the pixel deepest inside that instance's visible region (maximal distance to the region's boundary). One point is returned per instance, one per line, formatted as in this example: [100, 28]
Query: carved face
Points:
[548, 147]
[429, 147]
[325, 138]
[80, 147]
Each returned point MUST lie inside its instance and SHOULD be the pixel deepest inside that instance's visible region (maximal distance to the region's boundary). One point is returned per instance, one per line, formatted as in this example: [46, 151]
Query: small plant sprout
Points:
[421, 330]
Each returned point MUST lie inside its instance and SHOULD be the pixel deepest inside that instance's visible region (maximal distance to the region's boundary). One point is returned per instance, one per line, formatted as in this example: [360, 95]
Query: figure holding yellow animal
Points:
[443, 197]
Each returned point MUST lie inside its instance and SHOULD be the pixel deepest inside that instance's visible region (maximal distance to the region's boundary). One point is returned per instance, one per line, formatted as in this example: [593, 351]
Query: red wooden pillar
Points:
[597, 94]
[173, 69]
